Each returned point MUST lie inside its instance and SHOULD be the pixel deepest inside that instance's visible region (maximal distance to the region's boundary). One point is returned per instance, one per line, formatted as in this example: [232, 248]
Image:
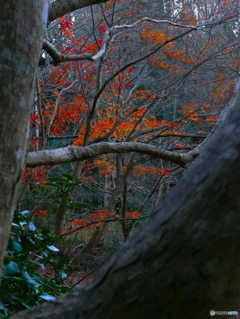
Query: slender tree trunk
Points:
[125, 228]
[184, 262]
[100, 230]
[22, 24]
[62, 209]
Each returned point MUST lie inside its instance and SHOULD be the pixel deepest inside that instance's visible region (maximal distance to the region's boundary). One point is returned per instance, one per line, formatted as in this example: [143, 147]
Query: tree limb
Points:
[61, 7]
[58, 57]
[74, 153]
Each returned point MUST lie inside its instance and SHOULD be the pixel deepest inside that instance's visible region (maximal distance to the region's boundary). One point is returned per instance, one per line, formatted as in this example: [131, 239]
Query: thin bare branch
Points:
[116, 219]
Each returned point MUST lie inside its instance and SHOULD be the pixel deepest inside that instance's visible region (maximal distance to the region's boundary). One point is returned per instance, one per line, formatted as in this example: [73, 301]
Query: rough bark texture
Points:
[185, 261]
[22, 23]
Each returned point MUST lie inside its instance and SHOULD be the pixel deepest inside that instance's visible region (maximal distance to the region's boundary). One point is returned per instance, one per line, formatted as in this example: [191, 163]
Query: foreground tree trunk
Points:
[22, 24]
[184, 262]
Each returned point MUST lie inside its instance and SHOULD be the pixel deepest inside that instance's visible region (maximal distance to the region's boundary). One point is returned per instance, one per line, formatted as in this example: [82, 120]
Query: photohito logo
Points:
[222, 313]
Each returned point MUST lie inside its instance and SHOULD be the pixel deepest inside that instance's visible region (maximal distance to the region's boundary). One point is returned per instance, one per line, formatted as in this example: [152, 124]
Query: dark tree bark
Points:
[22, 24]
[185, 261]
[59, 8]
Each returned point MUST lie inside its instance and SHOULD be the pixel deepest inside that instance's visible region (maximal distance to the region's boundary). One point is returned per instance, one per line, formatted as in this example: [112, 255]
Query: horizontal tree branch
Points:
[184, 135]
[61, 7]
[58, 57]
[56, 137]
[75, 153]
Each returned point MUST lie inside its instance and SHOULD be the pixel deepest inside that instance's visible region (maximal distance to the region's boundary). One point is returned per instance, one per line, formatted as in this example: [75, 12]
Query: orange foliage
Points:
[212, 119]
[133, 215]
[94, 217]
[155, 37]
[149, 170]
[103, 165]
[36, 176]
[40, 213]
[176, 54]
[79, 140]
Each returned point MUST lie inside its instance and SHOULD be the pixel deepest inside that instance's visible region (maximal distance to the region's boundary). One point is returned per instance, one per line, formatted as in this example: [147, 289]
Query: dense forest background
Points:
[126, 96]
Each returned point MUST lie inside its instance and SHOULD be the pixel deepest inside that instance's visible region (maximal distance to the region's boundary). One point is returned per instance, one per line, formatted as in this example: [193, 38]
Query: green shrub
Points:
[30, 253]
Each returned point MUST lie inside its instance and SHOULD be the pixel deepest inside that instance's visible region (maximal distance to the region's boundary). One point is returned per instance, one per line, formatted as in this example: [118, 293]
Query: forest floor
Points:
[76, 279]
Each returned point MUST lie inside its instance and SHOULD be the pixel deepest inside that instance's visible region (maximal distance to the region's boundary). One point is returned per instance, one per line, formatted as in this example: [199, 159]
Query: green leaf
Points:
[53, 248]
[32, 226]
[63, 275]
[28, 279]
[21, 300]
[11, 268]
[3, 308]
[47, 297]
[15, 225]
[16, 246]
[24, 212]
[37, 263]
[23, 224]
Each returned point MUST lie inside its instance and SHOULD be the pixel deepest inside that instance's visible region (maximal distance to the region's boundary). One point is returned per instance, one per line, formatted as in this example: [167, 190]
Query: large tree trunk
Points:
[22, 24]
[185, 261]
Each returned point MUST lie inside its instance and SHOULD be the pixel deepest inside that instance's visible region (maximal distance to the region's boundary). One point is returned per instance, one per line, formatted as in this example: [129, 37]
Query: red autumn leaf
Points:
[102, 29]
